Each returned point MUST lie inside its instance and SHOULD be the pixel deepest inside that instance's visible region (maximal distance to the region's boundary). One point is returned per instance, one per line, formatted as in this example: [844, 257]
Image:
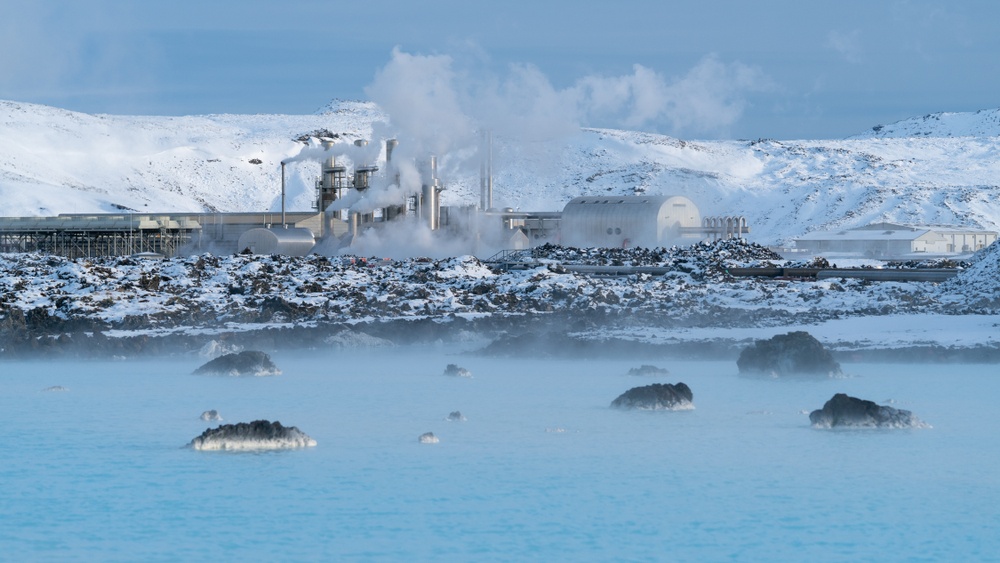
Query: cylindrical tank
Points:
[625, 221]
[294, 241]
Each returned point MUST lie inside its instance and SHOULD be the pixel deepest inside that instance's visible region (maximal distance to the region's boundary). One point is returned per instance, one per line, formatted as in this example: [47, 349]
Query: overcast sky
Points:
[692, 68]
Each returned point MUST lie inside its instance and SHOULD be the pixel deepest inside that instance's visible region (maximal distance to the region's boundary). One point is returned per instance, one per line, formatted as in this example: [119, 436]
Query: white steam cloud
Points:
[437, 107]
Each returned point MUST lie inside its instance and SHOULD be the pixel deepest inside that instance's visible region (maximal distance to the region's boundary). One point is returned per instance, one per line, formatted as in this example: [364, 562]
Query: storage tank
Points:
[294, 241]
[628, 221]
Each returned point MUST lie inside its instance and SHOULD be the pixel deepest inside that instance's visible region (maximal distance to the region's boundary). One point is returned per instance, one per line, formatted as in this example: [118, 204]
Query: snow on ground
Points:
[940, 169]
[696, 300]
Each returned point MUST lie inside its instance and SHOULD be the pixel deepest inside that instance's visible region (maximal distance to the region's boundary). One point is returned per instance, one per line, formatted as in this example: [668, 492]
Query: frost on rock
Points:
[428, 438]
[256, 435]
[658, 396]
[211, 415]
[843, 411]
[794, 353]
[242, 363]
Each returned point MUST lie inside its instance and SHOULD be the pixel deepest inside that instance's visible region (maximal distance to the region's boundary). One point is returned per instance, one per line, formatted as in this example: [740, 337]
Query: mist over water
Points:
[541, 468]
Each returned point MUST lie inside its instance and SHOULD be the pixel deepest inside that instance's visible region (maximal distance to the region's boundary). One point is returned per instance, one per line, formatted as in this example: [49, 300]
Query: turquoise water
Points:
[541, 470]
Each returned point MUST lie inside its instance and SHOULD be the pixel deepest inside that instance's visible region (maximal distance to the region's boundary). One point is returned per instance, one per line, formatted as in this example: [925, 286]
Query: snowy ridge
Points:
[939, 169]
[983, 123]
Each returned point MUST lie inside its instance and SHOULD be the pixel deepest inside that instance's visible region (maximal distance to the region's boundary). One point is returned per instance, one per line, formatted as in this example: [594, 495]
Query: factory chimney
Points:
[486, 171]
[430, 205]
[283, 224]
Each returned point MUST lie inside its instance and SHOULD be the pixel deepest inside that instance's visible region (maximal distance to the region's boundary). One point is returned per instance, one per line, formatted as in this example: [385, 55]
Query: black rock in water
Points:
[851, 412]
[648, 370]
[456, 416]
[256, 435]
[658, 396]
[242, 363]
[211, 415]
[455, 370]
[795, 353]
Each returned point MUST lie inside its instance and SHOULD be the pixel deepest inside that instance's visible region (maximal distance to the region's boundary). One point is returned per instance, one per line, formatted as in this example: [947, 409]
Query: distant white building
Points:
[889, 240]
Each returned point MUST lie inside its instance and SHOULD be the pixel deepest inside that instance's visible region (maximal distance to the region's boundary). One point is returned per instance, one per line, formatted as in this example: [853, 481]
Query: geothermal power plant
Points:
[353, 197]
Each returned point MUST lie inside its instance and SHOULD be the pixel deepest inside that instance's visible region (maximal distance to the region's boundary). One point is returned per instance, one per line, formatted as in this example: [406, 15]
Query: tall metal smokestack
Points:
[390, 145]
[486, 171]
[430, 205]
[283, 225]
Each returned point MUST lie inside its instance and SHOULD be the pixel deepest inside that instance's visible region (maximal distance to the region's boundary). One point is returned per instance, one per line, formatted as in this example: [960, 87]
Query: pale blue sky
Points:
[715, 69]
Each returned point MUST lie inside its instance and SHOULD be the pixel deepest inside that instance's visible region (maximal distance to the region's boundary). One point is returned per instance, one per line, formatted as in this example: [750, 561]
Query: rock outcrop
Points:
[241, 363]
[211, 415]
[795, 353]
[428, 438]
[648, 371]
[843, 411]
[456, 416]
[457, 371]
[256, 435]
[658, 396]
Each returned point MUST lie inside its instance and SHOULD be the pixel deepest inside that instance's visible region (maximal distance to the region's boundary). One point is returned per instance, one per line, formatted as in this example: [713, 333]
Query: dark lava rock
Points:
[850, 412]
[648, 370]
[256, 435]
[788, 354]
[428, 438]
[658, 396]
[456, 371]
[456, 416]
[242, 363]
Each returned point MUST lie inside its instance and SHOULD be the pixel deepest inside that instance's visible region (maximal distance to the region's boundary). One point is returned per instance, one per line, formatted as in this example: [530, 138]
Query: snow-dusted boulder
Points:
[242, 363]
[658, 396]
[456, 416]
[256, 435]
[647, 370]
[456, 371]
[795, 353]
[211, 415]
[428, 438]
[843, 411]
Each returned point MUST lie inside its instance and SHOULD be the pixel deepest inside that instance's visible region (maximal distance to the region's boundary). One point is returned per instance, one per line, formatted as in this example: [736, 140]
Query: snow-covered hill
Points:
[941, 169]
[983, 123]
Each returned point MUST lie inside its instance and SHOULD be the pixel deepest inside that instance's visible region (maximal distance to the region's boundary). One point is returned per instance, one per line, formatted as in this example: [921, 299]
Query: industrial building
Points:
[352, 198]
[893, 241]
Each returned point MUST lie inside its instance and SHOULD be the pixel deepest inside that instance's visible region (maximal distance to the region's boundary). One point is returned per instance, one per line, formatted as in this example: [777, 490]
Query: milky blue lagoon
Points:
[542, 469]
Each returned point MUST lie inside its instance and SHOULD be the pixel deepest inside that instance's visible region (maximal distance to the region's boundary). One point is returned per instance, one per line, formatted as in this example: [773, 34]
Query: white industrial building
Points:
[622, 222]
[889, 240]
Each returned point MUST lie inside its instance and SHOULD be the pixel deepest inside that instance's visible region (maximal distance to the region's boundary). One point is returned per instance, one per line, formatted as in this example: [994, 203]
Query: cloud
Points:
[848, 45]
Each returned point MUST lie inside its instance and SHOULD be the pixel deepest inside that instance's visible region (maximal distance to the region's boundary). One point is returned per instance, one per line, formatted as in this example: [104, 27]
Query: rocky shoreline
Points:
[56, 307]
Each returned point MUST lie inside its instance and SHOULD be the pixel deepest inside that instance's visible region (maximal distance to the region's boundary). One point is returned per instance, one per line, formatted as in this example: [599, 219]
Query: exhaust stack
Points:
[486, 171]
